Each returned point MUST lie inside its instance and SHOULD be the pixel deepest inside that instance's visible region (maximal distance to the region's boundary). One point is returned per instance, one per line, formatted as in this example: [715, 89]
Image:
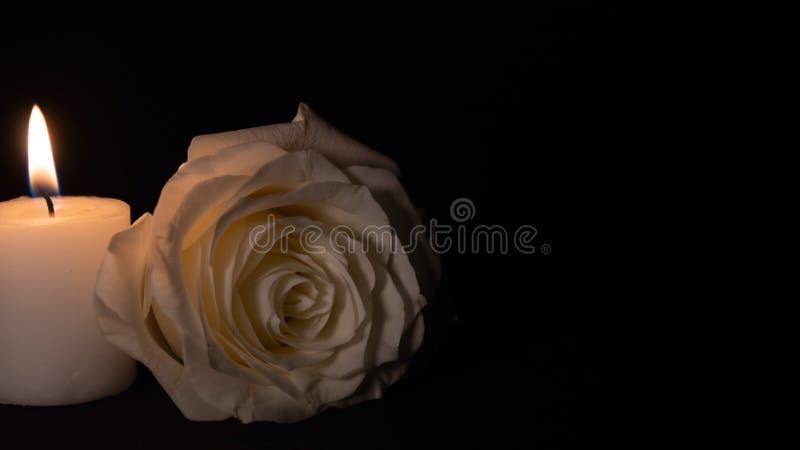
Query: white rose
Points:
[231, 330]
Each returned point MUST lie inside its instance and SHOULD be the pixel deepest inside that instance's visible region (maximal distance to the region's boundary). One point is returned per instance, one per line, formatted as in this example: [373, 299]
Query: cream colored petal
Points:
[239, 161]
[272, 404]
[377, 380]
[338, 147]
[288, 136]
[203, 352]
[391, 313]
[331, 390]
[308, 131]
[390, 194]
[118, 303]
[195, 216]
[292, 170]
[118, 290]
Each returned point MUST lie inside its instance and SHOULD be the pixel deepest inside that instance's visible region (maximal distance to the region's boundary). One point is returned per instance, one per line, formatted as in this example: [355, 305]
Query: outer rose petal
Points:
[308, 131]
[122, 317]
[389, 193]
[240, 160]
[389, 373]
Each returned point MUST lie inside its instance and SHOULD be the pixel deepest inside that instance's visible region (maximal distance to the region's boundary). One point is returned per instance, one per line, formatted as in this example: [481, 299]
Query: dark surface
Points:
[654, 151]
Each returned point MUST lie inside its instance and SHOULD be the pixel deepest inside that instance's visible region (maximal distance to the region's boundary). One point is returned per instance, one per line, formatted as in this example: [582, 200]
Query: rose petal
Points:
[239, 161]
[390, 194]
[118, 303]
[307, 131]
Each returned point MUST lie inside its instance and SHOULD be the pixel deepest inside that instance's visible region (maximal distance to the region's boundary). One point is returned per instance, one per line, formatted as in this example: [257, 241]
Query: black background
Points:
[654, 151]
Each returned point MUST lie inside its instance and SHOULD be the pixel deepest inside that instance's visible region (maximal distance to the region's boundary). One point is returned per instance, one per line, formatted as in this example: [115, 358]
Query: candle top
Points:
[33, 211]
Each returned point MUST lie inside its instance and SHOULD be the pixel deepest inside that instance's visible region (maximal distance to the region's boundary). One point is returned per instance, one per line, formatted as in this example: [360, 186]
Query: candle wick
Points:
[50, 209]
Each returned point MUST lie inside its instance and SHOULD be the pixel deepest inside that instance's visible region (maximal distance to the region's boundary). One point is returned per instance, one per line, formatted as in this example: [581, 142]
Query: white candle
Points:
[51, 350]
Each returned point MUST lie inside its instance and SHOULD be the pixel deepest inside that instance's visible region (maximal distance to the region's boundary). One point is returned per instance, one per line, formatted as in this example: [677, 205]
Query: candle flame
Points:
[41, 167]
